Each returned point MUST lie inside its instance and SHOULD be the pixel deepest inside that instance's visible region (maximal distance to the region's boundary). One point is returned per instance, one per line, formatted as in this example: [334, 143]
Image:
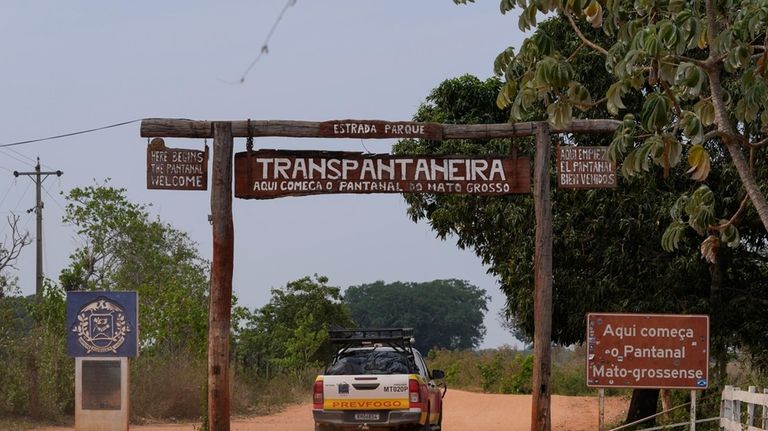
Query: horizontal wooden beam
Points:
[181, 128]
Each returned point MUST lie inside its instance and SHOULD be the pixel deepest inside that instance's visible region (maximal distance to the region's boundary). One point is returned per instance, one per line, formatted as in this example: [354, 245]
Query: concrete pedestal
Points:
[101, 394]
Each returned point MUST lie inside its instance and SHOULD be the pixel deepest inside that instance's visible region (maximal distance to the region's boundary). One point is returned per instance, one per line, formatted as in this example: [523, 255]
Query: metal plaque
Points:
[101, 385]
[267, 174]
[585, 168]
[176, 168]
[647, 351]
[101, 323]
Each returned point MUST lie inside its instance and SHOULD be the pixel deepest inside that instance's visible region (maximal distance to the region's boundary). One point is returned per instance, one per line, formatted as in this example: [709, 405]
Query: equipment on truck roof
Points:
[399, 339]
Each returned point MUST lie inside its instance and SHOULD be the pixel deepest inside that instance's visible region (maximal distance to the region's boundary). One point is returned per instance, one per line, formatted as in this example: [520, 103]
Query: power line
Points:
[265, 46]
[23, 195]
[65, 135]
[26, 157]
[22, 161]
[55, 200]
[7, 192]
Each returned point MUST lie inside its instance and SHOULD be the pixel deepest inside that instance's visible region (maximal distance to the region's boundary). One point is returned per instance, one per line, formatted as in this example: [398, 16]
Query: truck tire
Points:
[427, 426]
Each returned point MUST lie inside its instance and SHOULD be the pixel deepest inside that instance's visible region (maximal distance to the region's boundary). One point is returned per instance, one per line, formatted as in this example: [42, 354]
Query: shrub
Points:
[167, 387]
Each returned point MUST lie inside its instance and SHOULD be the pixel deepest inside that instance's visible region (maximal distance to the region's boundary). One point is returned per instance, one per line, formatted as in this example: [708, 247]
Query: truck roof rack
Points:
[400, 339]
[371, 336]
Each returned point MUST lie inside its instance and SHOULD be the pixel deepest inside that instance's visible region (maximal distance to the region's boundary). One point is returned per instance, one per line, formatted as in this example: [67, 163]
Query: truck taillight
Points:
[317, 395]
[414, 393]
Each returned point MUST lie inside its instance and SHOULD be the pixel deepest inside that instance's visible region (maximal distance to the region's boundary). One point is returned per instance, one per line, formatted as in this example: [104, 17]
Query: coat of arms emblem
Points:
[101, 326]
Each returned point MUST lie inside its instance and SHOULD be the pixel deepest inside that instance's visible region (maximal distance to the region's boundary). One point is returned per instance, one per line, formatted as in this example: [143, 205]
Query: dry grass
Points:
[11, 423]
[167, 389]
[259, 396]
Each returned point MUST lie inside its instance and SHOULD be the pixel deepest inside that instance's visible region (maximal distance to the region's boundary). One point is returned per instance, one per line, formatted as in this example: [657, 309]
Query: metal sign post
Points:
[601, 409]
[693, 410]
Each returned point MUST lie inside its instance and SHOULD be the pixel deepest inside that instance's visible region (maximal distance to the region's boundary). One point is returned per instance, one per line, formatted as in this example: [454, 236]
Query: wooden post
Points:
[221, 210]
[542, 303]
[764, 422]
[220, 310]
[666, 404]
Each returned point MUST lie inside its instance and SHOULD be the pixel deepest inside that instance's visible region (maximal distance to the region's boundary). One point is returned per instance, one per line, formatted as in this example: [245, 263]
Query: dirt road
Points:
[464, 411]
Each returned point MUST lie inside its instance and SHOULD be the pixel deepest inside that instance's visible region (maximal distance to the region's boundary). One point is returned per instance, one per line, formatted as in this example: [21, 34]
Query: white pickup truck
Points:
[377, 381]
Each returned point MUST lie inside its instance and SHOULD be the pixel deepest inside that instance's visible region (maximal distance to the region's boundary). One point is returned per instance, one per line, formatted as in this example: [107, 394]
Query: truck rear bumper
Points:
[389, 418]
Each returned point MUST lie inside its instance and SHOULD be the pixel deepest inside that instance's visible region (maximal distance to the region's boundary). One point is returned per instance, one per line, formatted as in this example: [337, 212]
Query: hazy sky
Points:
[75, 65]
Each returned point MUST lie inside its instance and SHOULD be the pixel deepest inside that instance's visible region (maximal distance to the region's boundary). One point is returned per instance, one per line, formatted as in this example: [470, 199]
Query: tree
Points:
[126, 250]
[444, 314]
[606, 241]
[700, 68]
[290, 333]
[9, 253]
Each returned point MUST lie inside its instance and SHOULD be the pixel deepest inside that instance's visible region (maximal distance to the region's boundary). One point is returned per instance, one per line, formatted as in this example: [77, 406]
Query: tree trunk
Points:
[643, 404]
[666, 404]
[718, 346]
[724, 125]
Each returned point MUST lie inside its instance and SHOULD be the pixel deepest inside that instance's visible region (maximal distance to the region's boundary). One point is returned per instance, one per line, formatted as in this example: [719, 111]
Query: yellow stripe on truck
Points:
[367, 404]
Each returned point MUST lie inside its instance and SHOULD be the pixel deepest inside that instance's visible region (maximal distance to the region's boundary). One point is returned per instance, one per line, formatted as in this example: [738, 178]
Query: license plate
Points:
[367, 416]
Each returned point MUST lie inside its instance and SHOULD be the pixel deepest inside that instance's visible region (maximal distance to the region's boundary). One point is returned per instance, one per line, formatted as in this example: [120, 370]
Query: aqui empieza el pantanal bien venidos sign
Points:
[584, 168]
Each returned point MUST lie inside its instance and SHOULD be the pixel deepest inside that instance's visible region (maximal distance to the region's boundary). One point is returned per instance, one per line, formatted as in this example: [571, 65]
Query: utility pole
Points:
[38, 177]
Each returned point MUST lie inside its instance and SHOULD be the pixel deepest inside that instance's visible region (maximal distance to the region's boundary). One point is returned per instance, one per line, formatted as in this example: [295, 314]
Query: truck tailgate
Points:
[366, 392]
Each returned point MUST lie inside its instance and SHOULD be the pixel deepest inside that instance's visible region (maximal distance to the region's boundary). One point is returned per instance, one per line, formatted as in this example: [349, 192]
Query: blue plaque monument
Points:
[102, 324]
[102, 333]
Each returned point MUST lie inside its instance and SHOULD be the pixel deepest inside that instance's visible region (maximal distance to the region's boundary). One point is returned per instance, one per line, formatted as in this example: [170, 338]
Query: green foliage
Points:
[37, 378]
[126, 250]
[509, 371]
[490, 374]
[289, 334]
[445, 314]
[606, 241]
[701, 73]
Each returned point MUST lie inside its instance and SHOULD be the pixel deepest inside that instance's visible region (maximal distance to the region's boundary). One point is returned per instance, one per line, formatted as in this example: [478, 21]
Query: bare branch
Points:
[575, 51]
[712, 30]
[759, 144]
[699, 63]
[729, 137]
[18, 241]
[581, 36]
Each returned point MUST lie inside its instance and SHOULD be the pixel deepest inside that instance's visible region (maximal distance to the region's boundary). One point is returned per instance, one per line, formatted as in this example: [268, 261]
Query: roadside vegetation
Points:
[507, 370]
[277, 350]
[628, 249]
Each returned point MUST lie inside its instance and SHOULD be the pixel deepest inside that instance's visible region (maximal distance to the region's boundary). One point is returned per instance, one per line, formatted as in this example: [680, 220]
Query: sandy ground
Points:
[464, 411]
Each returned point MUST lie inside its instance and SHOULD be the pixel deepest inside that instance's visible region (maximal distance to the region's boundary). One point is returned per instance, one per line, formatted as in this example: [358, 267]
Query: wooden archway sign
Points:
[223, 134]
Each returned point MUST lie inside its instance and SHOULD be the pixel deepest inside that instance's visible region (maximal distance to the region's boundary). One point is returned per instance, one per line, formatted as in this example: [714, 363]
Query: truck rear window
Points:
[370, 362]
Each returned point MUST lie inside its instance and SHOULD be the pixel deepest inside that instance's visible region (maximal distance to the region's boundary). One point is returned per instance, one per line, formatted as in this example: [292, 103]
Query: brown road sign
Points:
[584, 168]
[377, 129]
[176, 168]
[647, 351]
[267, 174]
